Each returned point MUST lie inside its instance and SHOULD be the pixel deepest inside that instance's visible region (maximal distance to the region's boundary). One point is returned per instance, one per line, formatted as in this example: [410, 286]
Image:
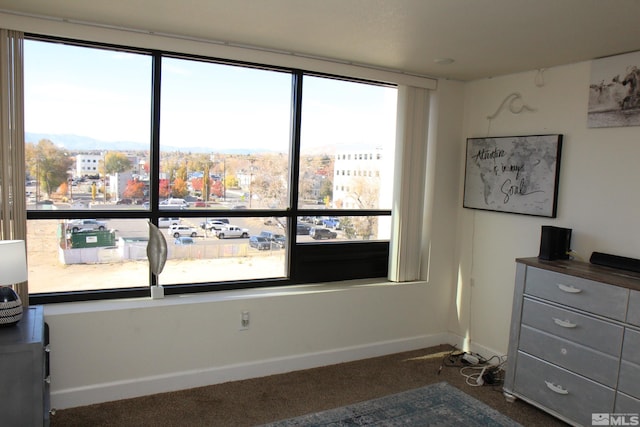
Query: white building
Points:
[118, 183]
[357, 170]
[88, 164]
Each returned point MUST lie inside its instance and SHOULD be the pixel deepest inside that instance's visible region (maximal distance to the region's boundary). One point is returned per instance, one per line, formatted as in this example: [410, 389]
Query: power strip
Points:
[470, 359]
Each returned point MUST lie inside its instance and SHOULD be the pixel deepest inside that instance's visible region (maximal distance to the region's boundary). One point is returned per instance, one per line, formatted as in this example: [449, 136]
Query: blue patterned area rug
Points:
[436, 405]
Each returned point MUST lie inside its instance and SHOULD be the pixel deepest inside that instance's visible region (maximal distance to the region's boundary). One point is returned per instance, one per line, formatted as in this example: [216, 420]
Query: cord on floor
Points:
[477, 370]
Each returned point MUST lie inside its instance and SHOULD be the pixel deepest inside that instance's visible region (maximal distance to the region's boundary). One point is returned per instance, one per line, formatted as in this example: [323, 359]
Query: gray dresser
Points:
[24, 366]
[574, 348]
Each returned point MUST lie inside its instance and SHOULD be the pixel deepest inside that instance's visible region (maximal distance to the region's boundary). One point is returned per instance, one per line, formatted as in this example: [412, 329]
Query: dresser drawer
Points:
[633, 315]
[631, 346]
[568, 394]
[594, 297]
[585, 330]
[577, 358]
[626, 404]
[629, 381]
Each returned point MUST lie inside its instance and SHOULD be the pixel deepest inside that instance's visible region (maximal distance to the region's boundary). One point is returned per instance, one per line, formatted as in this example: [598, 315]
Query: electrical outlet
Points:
[244, 320]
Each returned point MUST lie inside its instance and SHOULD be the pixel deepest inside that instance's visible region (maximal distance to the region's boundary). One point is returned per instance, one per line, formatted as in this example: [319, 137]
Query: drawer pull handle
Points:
[569, 289]
[556, 388]
[564, 323]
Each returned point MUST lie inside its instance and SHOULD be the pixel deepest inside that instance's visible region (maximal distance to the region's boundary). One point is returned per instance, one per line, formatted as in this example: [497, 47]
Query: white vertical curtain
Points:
[13, 223]
[412, 128]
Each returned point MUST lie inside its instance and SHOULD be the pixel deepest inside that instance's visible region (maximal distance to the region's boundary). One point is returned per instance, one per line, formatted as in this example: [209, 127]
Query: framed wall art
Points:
[514, 174]
[614, 91]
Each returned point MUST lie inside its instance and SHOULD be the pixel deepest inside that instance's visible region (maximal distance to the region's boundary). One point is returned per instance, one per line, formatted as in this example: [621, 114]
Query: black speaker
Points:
[615, 261]
[555, 243]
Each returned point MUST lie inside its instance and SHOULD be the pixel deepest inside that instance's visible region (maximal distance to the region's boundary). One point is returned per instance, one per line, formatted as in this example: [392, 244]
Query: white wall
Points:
[105, 351]
[598, 195]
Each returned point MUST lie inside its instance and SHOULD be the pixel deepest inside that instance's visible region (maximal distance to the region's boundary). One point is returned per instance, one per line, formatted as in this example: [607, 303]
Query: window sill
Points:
[217, 296]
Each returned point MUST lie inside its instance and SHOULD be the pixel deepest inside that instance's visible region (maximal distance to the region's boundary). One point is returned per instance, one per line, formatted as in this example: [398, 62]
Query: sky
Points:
[106, 95]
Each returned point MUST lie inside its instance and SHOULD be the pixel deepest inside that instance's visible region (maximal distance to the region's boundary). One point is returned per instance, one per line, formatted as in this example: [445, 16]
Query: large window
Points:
[256, 176]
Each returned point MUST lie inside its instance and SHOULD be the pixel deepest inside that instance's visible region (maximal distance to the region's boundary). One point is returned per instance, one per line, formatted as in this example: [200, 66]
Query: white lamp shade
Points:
[13, 262]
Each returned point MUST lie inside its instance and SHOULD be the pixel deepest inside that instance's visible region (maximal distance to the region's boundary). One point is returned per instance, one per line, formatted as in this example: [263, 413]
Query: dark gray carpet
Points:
[439, 404]
[258, 401]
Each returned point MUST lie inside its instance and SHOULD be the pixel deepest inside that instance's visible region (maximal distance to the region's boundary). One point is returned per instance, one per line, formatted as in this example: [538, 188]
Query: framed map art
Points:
[515, 174]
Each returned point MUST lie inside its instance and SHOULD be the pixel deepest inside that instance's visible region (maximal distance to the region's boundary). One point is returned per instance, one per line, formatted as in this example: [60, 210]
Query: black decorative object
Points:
[10, 307]
[13, 269]
[555, 243]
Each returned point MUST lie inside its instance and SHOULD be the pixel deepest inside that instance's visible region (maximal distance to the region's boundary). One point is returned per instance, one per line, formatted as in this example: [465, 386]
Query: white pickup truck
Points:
[232, 231]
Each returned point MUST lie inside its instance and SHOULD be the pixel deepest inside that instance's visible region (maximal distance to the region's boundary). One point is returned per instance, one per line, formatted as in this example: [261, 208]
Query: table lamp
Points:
[13, 269]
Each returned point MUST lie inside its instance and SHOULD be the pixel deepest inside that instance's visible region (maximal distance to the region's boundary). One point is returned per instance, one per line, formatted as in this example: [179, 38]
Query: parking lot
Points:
[208, 259]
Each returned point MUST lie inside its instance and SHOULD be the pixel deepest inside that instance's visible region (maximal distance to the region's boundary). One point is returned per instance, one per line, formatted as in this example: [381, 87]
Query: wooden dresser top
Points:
[585, 270]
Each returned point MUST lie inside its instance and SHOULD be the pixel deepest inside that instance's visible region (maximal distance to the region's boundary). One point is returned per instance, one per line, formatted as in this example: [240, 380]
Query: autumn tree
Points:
[116, 162]
[365, 192]
[164, 189]
[326, 191]
[63, 189]
[179, 188]
[231, 181]
[134, 189]
[270, 179]
[206, 182]
[48, 164]
[315, 175]
[217, 189]
[197, 184]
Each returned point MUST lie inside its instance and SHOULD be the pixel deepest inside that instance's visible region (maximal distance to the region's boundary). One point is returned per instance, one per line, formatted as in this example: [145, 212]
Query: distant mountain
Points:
[82, 143]
[85, 143]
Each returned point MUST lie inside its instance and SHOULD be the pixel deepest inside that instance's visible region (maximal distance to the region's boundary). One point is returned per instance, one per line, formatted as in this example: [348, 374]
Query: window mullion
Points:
[155, 145]
[294, 176]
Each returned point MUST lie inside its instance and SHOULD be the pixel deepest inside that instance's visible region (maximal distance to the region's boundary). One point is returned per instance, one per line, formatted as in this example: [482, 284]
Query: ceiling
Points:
[485, 38]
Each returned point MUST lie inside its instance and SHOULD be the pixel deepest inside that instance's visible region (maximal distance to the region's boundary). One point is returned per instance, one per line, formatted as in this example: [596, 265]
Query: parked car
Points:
[279, 240]
[86, 224]
[302, 229]
[199, 204]
[322, 233]
[214, 223]
[331, 222]
[182, 230]
[124, 202]
[184, 240]
[175, 203]
[276, 239]
[260, 243]
[267, 234]
[232, 231]
[318, 220]
[168, 222]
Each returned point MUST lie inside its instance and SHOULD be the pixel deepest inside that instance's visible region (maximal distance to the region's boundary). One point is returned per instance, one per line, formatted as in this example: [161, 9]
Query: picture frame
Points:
[614, 91]
[513, 174]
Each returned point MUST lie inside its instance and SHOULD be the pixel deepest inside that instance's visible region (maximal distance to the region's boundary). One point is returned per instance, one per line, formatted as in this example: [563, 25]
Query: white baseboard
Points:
[135, 387]
[466, 345]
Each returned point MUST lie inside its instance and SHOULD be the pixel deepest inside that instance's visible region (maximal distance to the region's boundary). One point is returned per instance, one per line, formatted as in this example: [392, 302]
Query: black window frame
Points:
[307, 263]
